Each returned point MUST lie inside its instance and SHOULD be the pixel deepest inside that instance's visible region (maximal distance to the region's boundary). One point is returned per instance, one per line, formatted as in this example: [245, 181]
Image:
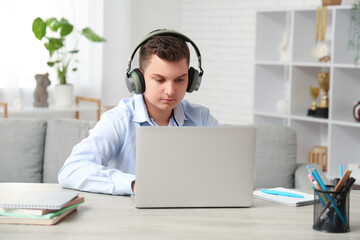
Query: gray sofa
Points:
[33, 150]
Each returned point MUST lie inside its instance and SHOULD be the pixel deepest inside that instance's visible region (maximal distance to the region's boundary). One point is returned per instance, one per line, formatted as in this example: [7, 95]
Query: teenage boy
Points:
[105, 161]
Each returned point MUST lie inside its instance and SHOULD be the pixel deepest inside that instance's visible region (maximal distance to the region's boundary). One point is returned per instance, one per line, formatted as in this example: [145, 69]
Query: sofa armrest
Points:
[301, 176]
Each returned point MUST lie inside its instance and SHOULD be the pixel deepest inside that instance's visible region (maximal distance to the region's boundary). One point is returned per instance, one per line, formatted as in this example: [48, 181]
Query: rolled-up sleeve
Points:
[87, 168]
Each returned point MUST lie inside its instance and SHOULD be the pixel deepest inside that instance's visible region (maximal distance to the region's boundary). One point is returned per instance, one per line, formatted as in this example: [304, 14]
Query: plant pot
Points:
[64, 95]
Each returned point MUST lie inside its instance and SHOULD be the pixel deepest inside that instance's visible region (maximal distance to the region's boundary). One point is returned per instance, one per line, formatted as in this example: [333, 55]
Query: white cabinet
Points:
[281, 89]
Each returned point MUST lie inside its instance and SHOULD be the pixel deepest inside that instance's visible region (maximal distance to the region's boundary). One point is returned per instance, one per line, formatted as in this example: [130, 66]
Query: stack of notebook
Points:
[39, 207]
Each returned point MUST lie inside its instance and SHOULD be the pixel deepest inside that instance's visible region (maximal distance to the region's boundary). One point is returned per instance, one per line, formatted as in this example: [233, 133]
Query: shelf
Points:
[276, 81]
[8, 111]
[271, 26]
[267, 114]
[270, 77]
[272, 63]
[51, 109]
[309, 134]
[312, 64]
[341, 52]
[346, 65]
[345, 93]
[344, 147]
[347, 124]
[310, 119]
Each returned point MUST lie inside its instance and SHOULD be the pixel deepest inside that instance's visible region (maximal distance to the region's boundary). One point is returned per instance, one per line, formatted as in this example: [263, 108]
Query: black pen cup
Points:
[331, 211]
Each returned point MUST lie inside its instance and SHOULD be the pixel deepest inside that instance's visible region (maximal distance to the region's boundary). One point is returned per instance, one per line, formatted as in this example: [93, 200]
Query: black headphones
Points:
[135, 81]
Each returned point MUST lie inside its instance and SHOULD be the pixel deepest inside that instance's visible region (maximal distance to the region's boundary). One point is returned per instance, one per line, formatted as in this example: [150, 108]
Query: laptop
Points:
[185, 167]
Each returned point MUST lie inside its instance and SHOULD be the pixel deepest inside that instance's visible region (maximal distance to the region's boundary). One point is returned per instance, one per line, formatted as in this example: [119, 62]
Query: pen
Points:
[280, 193]
[316, 186]
[340, 171]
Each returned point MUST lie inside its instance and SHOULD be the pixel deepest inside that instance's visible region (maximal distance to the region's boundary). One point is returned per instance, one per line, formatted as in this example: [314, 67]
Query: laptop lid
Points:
[194, 167]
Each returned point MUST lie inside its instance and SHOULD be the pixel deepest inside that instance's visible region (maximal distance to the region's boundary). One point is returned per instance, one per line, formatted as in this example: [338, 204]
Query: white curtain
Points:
[22, 55]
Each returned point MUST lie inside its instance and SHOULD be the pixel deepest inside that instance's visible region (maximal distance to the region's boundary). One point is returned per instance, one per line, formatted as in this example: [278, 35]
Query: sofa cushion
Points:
[61, 136]
[276, 150]
[21, 150]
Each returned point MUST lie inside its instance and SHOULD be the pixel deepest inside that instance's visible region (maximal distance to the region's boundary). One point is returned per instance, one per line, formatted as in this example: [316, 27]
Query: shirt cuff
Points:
[123, 186]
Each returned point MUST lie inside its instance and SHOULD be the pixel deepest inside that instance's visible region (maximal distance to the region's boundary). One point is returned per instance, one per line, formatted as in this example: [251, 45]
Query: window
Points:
[23, 56]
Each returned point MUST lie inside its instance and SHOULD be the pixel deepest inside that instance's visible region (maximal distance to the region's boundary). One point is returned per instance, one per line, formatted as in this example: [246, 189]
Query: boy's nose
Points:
[170, 89]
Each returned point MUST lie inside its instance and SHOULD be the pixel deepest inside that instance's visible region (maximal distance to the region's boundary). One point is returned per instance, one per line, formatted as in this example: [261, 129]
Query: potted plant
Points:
[55, 33]
[354, 31]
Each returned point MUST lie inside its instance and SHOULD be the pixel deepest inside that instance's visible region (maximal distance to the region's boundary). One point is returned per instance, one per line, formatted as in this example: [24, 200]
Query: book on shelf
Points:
[307, 198]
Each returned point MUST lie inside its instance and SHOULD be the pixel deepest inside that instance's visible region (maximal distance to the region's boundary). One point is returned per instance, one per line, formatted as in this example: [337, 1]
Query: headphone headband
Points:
[165, 33]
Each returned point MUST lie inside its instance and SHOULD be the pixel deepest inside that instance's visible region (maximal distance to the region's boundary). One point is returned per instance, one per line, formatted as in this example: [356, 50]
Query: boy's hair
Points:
[168, 48]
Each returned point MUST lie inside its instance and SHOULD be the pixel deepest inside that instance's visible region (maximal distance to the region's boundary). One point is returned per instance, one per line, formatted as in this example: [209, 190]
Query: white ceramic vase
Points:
[64, 95]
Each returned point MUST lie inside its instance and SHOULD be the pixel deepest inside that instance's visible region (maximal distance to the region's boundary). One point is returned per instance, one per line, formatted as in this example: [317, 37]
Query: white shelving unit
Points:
[276, 80]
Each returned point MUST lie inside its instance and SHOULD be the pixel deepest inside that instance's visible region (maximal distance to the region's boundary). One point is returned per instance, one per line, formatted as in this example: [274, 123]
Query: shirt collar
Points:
[179, 114]
[141, 114]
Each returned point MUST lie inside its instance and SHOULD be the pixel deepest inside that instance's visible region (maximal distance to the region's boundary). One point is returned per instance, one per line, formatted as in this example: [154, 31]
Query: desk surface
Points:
[115, 217]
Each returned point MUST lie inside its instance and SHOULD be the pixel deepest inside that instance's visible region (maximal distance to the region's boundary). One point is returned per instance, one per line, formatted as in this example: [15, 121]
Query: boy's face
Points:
[165, 84]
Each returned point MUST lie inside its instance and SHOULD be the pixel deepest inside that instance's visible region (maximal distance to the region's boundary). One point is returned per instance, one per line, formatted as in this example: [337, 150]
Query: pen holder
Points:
[331, 215]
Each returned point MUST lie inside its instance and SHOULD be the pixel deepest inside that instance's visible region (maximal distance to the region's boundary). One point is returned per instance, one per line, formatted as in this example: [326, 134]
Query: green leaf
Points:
[74, 51]
[54, 44]
[74, 69]
[39, 28]
[53, 24]
[51, 64]
[89, 34]
[66, 27]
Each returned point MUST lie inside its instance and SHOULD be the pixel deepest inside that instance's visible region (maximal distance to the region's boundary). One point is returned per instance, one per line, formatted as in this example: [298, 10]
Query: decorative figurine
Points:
[40, 93]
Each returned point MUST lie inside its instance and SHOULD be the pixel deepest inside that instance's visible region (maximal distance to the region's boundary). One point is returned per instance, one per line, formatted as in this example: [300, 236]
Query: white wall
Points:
[155, 14]
[117, 31]
[126, 23]
[223, 30]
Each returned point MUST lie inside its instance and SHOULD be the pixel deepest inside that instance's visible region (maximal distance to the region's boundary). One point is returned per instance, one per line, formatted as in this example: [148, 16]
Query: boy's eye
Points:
[159, 80]
[180, 80]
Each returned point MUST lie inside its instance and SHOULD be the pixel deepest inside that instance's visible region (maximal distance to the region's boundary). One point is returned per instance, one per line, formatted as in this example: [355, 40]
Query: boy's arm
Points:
[86, 168]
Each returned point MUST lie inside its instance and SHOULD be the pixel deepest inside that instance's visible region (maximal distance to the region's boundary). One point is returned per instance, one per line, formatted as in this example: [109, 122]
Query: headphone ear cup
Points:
[193, 80]
[137, 81]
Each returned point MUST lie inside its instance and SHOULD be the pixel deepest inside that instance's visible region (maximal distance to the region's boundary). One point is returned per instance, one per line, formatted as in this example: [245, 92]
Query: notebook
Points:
[33, 221]
[194, 167]
[40, 212]
[290, 201]
[41, 200]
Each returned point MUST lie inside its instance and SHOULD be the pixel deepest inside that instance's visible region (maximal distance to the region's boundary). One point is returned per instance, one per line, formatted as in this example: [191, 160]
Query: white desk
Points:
[115, 217]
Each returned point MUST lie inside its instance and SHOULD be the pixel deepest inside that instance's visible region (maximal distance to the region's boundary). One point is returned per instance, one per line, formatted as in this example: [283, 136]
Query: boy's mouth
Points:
[169, 100]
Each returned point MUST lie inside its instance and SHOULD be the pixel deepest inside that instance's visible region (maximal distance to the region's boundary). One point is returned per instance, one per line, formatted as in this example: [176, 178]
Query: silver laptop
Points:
[194, 167]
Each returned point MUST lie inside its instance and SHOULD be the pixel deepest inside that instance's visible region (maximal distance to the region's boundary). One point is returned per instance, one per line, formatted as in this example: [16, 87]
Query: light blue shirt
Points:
[104, 162]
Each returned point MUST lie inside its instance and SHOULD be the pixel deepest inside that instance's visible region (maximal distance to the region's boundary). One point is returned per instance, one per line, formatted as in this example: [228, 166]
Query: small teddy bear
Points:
[40, 93]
